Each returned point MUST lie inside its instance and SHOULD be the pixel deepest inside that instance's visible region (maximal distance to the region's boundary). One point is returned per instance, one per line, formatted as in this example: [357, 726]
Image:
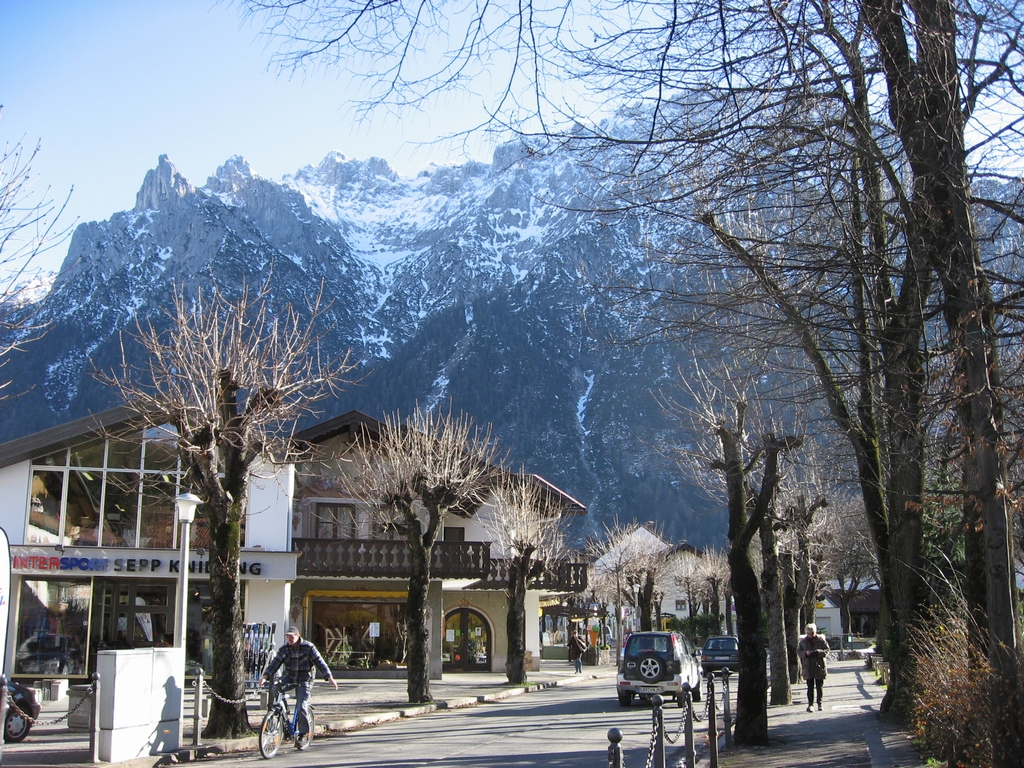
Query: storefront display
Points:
[53, 627]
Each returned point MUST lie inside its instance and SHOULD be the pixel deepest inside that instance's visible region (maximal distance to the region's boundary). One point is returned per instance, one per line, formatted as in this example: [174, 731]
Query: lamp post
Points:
[186, 505]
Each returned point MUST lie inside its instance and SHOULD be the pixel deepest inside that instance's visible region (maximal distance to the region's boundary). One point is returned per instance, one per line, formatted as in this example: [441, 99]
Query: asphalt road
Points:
[563, 727]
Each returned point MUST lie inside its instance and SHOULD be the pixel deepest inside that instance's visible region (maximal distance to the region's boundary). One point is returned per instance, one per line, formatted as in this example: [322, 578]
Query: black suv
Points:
[657, 662]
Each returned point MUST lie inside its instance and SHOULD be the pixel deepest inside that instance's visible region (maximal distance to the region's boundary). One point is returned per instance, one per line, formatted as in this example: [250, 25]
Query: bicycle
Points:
[280, 724]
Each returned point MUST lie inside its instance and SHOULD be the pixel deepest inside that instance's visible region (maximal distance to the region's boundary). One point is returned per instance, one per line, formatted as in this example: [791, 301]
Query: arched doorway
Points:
[467, 642]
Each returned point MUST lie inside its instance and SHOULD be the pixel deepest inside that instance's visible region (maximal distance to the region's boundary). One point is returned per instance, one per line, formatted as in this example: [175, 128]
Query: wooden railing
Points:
[389, 558]
[561, 576]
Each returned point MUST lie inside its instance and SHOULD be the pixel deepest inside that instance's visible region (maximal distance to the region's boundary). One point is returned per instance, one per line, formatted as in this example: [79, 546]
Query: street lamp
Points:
[186, 505]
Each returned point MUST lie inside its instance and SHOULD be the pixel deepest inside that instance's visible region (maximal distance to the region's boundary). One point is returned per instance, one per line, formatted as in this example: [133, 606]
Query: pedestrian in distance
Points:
[299, 657]
[577, 647]
[812, 651]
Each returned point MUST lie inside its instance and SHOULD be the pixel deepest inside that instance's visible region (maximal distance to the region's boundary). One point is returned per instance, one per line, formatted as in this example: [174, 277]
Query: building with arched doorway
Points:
[89, 510]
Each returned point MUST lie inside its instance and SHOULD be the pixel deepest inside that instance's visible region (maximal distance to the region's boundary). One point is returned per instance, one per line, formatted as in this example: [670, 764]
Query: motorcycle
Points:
[16, 725]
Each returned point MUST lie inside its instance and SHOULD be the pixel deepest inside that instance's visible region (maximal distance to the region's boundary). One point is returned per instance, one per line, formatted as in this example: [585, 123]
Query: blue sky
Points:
[107, 86]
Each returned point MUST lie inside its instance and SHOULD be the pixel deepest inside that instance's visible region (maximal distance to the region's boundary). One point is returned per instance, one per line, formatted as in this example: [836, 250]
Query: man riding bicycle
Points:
[299, 657]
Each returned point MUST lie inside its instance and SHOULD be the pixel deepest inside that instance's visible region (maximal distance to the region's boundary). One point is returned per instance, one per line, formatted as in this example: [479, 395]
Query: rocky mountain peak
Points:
[230, 177]
[162, 188]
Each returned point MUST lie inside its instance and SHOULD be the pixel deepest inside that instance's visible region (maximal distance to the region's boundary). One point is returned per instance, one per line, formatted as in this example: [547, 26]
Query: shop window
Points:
[156, 520]
[121, 509]
[44, 509]
[81, 521]
[124, 454]
[161, 456]
[88, 455]
[366, 634]
[52, 628]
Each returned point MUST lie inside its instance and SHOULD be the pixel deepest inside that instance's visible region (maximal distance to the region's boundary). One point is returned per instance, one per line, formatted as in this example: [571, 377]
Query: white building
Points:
[95, 561]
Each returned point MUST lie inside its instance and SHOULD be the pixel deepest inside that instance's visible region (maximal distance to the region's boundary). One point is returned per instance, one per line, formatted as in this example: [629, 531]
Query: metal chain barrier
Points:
[679, 730]
[32, 721]
[654, 743]
[245, 698]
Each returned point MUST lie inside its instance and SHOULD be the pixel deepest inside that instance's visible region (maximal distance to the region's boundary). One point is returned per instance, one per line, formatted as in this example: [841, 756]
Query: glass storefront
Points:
[359, 633]
[53, 628]
[62, 624]
[110, 493]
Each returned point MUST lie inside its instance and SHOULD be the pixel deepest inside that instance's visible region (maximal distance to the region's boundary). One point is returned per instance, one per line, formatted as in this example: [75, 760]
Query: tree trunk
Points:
[729, 628]
[924, 106]
[645, 603]
[418, 660]
[771, 586]
[515, 621]
[752, 686]
[790, 615]
[227, 678]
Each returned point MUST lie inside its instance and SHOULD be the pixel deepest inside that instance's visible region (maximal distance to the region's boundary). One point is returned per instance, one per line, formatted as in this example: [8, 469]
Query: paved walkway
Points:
[845, 734]
[357, 703]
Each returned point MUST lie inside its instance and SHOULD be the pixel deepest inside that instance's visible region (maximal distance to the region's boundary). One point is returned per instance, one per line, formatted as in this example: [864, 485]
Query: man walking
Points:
[298, 657]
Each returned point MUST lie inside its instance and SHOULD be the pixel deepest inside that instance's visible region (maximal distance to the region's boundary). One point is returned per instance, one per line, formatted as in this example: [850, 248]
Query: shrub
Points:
[950, 683]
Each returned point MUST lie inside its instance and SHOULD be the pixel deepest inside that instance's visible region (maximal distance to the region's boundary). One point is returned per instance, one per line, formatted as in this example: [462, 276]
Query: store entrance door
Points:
[467, 642]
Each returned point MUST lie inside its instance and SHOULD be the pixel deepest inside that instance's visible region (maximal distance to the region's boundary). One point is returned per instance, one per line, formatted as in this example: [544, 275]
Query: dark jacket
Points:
[577, 645]
[298, 661]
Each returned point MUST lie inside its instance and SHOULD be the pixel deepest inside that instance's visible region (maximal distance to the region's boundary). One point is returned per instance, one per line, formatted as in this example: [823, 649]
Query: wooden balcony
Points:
[561, 576]
[363, 558]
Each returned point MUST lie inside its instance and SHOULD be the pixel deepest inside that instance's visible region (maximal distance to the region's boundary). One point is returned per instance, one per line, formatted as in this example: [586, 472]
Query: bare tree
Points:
[525, 526]
[713, 567]
[232, 377]
[740, 465]
[29, 226]
[848, 557]
[883, 111]
[424, 469]
[801, 568]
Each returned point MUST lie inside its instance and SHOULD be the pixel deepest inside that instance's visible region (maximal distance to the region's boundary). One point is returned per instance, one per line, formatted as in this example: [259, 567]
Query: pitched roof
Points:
[63, 435]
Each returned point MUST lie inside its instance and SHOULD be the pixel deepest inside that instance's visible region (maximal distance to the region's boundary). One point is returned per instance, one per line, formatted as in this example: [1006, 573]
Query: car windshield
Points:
[722, 644]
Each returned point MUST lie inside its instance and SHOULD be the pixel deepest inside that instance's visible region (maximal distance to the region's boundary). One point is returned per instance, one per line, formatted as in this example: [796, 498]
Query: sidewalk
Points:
[357, 703]
[846, 734]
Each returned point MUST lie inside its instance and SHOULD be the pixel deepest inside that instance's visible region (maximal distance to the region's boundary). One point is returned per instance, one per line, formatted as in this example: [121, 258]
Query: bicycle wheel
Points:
[302, 742]
[271, 733]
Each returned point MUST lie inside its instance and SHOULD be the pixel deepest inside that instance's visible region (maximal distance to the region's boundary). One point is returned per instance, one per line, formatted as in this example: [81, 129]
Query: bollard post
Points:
[712, 724]
[197, 713]
[614, 748]
[726, 711]
[688, 747]
[94, 719]
[658, 716]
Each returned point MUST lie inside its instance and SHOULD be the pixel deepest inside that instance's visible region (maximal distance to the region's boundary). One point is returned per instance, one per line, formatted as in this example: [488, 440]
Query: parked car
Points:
[719, 653]
[42, 654]
[16, 725]
[657, 663]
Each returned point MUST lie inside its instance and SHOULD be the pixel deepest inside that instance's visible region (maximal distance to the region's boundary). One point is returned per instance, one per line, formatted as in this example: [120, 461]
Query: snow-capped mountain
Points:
[462, 284]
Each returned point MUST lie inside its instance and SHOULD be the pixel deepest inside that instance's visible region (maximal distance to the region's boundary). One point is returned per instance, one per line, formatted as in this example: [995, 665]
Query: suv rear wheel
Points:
[625, 698]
